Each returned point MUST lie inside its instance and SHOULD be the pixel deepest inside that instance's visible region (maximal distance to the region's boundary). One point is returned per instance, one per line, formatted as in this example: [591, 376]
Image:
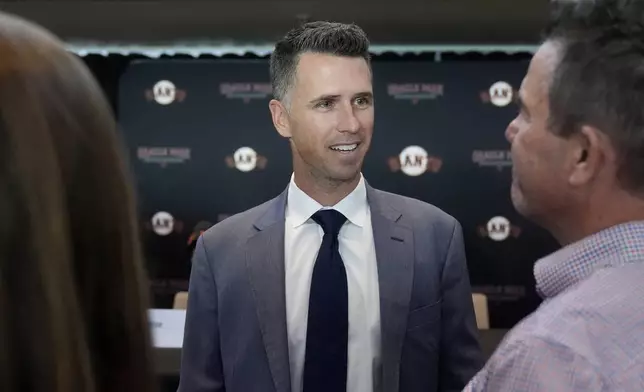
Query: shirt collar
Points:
[300, 206]
[612, 247]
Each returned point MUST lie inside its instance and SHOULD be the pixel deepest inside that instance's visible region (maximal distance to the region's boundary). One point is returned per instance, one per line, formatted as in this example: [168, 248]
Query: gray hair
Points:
[599, 79]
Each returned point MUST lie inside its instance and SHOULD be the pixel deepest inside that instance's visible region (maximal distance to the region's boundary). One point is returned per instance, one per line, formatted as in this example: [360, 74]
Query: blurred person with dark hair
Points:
[73, 295]
[333, 286]
[578, 153]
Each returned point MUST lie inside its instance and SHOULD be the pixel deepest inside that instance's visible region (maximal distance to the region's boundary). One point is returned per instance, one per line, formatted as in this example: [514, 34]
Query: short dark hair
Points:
[338, 39]
[599, 77]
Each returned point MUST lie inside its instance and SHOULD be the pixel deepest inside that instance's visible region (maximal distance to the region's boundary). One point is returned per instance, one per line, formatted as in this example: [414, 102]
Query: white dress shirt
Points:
[303, 238]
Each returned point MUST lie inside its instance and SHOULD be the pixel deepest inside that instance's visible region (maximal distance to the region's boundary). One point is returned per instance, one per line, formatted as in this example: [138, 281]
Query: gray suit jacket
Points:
[235, 334]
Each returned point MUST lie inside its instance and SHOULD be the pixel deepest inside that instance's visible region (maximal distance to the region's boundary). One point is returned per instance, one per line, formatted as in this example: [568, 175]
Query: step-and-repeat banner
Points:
[203, 147]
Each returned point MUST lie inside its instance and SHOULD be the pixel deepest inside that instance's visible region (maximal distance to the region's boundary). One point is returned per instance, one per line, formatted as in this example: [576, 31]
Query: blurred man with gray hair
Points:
[578, 153]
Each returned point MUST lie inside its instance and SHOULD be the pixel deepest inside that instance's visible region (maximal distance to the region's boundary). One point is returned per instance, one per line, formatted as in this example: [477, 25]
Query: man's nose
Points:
[511, 131]
[348, 121]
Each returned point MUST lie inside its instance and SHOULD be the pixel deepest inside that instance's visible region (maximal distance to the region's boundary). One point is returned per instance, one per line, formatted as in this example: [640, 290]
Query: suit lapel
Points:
[395, 260]
[265, 265]
[394, 254]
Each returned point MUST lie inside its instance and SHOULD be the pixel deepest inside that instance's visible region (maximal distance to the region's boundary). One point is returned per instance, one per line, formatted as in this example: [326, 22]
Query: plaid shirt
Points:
[588, 334]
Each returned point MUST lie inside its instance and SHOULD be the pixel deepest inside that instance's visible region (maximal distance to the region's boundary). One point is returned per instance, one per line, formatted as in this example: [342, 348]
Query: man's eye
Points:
[363, 101]
[323, 104]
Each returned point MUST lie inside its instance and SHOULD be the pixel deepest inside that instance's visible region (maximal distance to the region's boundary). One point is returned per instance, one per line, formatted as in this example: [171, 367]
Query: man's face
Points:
[541, 159]
[330, 116]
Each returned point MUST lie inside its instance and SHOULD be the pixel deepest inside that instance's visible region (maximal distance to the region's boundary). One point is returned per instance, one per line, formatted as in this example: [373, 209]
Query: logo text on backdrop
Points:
[499, 94]
[499, 229]
[163, 156]
[246, 91]
[415, 161]
[246, 159]
[492, 158]
[415, 92]
[163, 224]
[164, 92]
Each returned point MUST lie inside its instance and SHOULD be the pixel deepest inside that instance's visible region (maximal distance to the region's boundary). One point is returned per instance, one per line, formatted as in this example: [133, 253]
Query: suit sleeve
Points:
[201, 364]
[460, 353]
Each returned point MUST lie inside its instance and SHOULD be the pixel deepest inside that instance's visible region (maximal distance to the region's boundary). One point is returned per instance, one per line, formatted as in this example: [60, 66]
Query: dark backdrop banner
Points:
[203, 147]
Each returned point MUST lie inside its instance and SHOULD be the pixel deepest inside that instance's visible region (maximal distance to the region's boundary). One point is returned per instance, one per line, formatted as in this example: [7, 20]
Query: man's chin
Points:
[344, 174]
[518, 201]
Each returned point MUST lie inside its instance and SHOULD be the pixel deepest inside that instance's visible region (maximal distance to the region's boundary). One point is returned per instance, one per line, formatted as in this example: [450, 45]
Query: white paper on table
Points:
[167, 327]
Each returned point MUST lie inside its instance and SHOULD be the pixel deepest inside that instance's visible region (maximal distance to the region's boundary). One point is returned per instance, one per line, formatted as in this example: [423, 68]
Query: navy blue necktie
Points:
[327, 335]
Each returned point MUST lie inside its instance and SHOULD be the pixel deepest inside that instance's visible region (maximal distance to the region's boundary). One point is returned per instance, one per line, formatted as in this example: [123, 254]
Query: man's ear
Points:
[591, 151]
[279, 114]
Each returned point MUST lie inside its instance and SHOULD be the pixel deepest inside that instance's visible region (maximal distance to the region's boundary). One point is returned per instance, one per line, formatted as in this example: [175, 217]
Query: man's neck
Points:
[327, 193]
[601, 216]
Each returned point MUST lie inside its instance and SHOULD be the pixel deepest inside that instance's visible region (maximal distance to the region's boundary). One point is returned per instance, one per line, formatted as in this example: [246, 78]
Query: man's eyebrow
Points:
[325, 97]
[335, 97]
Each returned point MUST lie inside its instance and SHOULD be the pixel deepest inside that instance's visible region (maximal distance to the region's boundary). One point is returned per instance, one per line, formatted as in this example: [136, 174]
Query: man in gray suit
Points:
[332, 286]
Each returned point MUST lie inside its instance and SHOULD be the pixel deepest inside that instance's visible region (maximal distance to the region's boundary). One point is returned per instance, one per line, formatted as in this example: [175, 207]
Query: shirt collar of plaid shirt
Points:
[617, 245]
